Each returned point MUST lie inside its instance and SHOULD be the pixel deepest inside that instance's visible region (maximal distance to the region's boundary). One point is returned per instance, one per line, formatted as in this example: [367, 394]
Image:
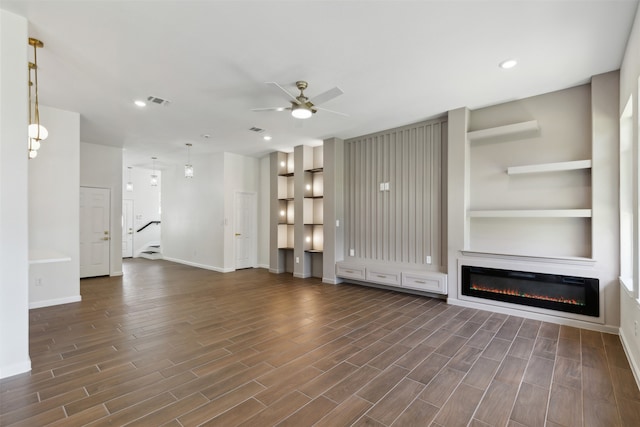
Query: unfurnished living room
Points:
[319, 213]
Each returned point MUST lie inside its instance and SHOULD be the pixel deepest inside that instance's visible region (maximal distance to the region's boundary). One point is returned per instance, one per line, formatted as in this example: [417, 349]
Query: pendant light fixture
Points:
[154, 177]
[129, 183]
[37, 132]
[188, 167]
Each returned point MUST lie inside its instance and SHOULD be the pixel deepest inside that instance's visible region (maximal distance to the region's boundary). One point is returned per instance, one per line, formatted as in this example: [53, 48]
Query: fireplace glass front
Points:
[551, 291]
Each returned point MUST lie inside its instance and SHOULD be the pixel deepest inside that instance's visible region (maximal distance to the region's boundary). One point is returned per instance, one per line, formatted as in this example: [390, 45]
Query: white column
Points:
[14, 258]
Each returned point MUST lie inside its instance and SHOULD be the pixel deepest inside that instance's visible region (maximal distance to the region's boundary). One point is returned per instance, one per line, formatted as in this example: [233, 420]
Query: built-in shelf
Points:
[532, 213]
[286, 248]
[314, 170]
[286, 174]
[534, 258]
[513, 129]
[314, 251]
[549, 167]
[47, 256]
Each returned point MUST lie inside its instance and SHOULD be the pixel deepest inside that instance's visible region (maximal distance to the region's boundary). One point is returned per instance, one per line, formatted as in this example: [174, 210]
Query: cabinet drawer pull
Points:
[382, 276]
[422, 282]
[349, 271]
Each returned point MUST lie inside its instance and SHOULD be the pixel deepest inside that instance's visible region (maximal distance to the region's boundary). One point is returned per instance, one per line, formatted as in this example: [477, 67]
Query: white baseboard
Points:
[15, 369]
[56, 301]
[634, 366]
[203, 266]
[536, 316]
[335, 281]
[116, 274]
[262, 266]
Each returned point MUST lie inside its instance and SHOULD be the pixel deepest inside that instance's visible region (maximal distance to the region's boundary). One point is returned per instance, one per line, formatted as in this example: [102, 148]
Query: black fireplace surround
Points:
[570, 294]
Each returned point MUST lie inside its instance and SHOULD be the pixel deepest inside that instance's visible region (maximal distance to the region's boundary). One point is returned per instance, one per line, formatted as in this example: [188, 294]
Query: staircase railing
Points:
[146, 225]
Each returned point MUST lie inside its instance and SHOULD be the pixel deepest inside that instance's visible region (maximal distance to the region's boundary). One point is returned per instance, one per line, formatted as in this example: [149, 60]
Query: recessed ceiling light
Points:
[140, 103]
[205, 136]
[266, 138]
[509, 63]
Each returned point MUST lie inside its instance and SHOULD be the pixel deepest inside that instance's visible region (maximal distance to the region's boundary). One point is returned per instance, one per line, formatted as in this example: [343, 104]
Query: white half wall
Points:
[14, 267]
[101, 167]
[54, 212]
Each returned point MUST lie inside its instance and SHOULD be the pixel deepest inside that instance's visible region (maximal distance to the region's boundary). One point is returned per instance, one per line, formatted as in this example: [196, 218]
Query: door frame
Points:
[133, 235]
[253, 261]
[109, 226]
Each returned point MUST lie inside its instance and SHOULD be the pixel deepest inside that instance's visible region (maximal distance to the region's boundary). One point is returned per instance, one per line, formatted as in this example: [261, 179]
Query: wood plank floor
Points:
[173, 345]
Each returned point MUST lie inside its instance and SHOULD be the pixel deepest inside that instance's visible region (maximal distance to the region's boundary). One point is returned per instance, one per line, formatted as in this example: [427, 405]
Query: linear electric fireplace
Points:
[552, 291]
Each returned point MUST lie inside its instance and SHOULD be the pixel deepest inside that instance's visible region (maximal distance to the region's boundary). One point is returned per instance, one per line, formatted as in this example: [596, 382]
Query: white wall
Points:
[197, 213]
[54, 212]
[101, 167]
[629, 307]
[193, 213]
[146, 206]
[263, 213]
[14, 289]
[241, 173]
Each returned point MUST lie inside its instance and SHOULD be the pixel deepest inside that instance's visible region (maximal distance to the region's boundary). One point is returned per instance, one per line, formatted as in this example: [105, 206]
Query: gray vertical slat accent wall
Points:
[403, 224]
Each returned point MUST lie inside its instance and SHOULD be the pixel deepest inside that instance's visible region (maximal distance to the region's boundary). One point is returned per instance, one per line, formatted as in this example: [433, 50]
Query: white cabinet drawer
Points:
[350, 271]
[383, 277]
[425, 282]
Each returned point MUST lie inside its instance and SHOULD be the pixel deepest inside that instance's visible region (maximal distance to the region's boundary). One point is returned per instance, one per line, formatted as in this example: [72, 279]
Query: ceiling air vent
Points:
[156, 100]
[255, 129]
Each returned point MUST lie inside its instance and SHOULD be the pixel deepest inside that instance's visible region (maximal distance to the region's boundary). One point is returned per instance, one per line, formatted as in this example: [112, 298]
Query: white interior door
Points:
[245, 229]
[127, 228]
[95, 238]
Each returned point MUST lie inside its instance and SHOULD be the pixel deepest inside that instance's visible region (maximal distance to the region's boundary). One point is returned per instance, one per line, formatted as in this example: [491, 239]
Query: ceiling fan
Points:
[301, 106]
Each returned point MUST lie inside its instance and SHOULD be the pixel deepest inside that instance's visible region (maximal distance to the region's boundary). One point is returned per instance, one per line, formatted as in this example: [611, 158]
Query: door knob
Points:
[105, 238]
[238, 234]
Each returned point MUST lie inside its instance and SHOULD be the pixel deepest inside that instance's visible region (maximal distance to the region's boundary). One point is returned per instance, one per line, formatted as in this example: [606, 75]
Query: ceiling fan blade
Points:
[293, 98]
[271, 109]
[331, 111]
[327, 96]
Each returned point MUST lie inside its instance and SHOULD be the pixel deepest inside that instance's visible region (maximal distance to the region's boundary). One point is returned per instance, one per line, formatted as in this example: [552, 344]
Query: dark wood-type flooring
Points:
[173, 345]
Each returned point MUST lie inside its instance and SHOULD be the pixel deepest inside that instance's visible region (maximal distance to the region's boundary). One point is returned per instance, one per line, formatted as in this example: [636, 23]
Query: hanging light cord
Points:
[35, 72]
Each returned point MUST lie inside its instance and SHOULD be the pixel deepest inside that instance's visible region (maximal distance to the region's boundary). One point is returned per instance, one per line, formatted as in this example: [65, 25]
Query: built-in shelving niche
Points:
[313, 210]
[297, 212]
[539, 228]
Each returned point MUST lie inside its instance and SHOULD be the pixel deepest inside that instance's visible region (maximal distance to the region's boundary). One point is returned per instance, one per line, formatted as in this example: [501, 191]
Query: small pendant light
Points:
[188, 167]
[154, 177]
[129, 183]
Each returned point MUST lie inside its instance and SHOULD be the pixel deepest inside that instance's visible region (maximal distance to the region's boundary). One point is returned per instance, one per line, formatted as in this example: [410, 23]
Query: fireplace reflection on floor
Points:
[556, 292]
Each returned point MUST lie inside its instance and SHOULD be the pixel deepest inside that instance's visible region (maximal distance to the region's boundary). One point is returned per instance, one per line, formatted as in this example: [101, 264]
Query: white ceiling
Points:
[398, 62]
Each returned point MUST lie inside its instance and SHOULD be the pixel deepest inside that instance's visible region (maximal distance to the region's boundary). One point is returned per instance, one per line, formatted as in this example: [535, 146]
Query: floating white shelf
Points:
[535, 213]
[549, 167]
[513, 129]
[535, 258]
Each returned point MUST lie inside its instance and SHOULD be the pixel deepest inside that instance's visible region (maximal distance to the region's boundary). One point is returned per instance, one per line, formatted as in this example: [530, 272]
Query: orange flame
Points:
[516, 293]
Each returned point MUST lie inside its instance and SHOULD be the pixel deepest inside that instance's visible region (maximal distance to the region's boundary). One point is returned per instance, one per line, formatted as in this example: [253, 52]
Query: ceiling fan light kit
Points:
[301, 112]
